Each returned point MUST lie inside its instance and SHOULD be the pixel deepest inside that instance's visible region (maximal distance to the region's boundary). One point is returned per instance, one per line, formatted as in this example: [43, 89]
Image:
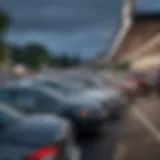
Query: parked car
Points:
[128, 87]
[33, 137]
[86, 90]
[112, 100]
[86, 115]
[155, 81]
[142, 81]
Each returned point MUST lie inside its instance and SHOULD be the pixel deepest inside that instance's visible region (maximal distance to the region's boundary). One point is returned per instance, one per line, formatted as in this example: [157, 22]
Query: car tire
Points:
[144, 91]
[115, 116]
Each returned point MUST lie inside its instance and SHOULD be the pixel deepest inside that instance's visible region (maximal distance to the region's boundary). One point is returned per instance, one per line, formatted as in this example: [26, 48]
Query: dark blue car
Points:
[86, 115]
[33, 137]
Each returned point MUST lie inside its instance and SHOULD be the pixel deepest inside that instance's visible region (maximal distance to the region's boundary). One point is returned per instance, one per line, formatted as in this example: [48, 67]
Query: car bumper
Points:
[89, 125]
[117, 109]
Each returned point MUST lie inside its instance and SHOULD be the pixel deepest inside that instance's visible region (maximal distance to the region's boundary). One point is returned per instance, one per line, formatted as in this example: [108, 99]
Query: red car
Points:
[121, 81]
[142, 82]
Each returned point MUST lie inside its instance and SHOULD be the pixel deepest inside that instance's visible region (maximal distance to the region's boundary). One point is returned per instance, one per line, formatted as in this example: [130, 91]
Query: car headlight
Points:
[90, 113]
[83, 113]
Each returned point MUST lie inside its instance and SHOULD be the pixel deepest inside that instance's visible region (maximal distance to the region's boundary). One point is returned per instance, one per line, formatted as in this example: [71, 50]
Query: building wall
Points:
[139, 34]
[126, 22]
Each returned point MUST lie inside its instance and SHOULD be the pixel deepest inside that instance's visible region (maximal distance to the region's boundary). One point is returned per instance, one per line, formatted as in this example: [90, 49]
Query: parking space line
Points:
[147, 123]
[120, 152]
[76, 153]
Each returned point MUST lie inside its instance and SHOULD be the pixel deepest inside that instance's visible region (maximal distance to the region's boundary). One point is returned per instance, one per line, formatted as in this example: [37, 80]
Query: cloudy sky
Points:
[148, 5]
[79, 26]
[75, 26]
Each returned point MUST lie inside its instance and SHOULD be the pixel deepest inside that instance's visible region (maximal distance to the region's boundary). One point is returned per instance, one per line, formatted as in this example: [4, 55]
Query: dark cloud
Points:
[148, 5]
[62, 25]
[61, 15]
[81, 26]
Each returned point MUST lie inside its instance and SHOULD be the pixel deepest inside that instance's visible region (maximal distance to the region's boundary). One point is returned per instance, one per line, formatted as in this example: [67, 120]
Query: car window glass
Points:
[53, 85]
[47, 103]
[4, 94]
[8, 114]
[25, 97]
[4, 118]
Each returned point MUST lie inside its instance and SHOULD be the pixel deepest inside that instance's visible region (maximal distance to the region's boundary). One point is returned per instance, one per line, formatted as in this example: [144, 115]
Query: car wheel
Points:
[144, 91]
[116, 116]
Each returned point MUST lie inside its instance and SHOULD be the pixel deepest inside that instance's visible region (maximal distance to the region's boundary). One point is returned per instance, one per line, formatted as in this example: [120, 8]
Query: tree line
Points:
[33, 55]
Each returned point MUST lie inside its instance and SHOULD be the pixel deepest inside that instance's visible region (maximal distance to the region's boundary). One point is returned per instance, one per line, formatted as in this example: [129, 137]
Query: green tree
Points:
[35, 55]
[4, 49]
[65, 60]
[76, 60]
[55, 61]
[4, 53]
[4, 21]
[121, 66]
[17, 54]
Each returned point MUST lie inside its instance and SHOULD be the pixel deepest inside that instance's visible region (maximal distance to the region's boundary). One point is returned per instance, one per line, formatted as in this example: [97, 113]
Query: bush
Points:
[121, 66]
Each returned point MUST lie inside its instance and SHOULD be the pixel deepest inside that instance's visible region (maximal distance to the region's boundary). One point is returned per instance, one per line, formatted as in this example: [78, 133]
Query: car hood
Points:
[97, 94]
[82, 100]
[36, 130]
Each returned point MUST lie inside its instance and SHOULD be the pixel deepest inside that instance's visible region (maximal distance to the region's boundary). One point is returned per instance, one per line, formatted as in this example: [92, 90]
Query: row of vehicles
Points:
[135, 84]
[39, 116]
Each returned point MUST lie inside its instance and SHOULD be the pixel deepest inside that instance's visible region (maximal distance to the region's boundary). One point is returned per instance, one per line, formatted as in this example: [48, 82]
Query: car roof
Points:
[46, 90]
[9, 109]
[16, 85]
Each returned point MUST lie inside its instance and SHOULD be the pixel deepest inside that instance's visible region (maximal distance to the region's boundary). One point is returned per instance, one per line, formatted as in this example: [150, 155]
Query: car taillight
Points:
[143, 82]
[127, 91]
[46, 153]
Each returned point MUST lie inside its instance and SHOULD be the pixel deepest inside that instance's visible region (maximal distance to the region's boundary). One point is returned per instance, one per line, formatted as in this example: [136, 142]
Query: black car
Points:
[33, 137]
[112, 101]
[85, 115]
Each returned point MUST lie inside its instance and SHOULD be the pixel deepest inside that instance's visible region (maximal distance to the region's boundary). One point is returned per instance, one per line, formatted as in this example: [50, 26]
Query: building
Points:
[123, 28]
[142, 38]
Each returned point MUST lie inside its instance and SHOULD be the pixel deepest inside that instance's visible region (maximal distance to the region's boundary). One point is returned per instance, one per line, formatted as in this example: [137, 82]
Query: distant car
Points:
[33, 137]
[129, 87]
[112, 100]
[86, 90]
[142, 81]
[99, 89]
[86, 115]
[155, 82]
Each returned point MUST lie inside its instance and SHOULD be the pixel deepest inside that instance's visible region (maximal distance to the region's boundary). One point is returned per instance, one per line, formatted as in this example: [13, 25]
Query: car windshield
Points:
[51, 93]
[22, 81]
[87, 83]
[63, 87]
[9, 113]
[56, 85]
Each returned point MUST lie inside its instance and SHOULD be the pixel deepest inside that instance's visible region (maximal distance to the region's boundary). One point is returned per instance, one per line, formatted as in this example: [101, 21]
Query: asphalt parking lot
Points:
[136, 136]
[102, 146]
[140, 131]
